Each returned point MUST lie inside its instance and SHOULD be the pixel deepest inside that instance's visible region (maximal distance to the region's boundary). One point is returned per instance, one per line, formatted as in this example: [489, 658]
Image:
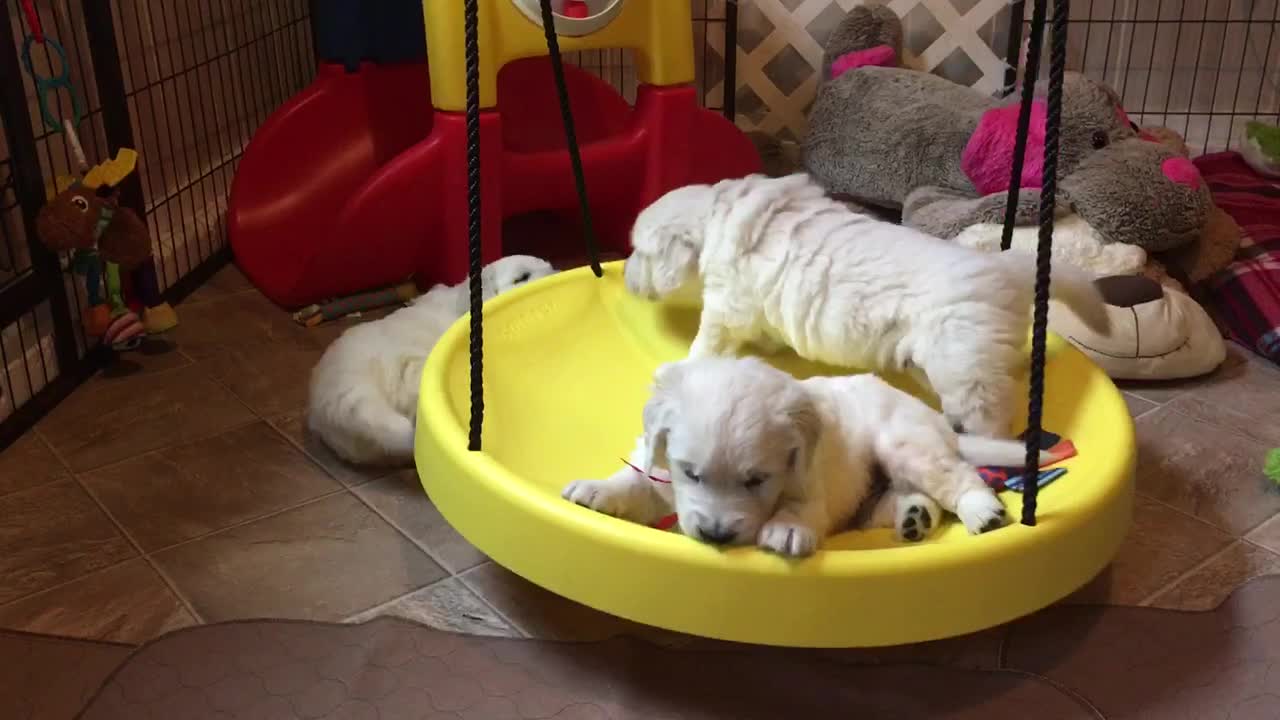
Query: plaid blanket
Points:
[1246, 296]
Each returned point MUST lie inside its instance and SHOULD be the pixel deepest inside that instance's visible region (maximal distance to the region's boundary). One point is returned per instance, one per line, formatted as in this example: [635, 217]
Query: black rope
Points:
[570, 135]
[1035, 42]
[472, 48]
[1044, 251]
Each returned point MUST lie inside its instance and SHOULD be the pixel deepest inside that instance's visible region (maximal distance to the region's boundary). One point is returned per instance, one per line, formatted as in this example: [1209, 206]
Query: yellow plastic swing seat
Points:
[568, 362]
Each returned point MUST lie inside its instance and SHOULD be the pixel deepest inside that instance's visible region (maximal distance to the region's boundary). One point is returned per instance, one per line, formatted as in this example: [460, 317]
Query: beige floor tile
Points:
[238, 321]
[126, 603]
[447, 605]
[1248, 402]
[28, 463]
[224, 283]
[270, 379]
[324, 561]
[156, 354]
[293, 425]
[1162, 545]
[104, 422]
[186, 491]
[542, 614]
[1267, 534]
[1208, 586]
[401, 499]
[1203, 470]
[1138, 406]
[51, 535]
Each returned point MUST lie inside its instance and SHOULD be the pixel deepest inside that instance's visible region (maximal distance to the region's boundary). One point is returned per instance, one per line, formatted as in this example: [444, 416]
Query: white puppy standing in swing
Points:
[776, 262]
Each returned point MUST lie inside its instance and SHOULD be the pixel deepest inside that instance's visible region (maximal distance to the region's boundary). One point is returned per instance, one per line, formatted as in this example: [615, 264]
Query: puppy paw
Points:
[789, 538]
[980, 511]
[917, 515]
[610, 498]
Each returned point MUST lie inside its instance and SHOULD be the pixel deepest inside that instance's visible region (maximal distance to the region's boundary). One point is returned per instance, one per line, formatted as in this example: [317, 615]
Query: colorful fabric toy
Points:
[1010, 478]
[107, 241]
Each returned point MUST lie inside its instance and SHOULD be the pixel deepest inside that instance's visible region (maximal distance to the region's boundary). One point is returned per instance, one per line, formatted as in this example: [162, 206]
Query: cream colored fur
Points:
[776, 262]
[364, 390]
[757, 457]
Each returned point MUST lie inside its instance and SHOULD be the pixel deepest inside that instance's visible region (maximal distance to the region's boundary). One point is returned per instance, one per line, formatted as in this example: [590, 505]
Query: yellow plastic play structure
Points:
[659, 31]
[569, 360]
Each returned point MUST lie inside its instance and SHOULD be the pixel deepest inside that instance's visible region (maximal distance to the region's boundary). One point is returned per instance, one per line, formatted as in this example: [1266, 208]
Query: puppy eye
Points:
[523, 277]
[80, 203]
[1100, 139]
[754, 481]
[689, 473]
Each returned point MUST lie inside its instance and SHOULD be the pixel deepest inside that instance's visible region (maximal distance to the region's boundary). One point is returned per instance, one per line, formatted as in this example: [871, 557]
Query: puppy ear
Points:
[807, 425]
[659, 413]
[675, 267]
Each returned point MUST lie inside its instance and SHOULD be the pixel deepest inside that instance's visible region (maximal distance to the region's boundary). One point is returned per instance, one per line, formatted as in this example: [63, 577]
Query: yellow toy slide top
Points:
[660, 31]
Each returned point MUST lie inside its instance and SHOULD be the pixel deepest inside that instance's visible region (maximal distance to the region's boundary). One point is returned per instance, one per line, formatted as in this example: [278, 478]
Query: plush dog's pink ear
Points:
[881, 55]
[988, 157]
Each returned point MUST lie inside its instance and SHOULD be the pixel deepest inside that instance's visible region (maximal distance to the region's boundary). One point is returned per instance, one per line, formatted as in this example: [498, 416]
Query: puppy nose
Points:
[715, 534]
[1181, 171]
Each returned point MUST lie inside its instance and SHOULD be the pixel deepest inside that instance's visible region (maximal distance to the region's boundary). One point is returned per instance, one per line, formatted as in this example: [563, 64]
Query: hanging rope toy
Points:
[471, 46]
[48, 87]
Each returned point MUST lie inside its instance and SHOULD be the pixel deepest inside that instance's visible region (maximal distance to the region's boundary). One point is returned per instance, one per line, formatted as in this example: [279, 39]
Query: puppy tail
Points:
[1069, 285]
[979, 450]
[364, 429]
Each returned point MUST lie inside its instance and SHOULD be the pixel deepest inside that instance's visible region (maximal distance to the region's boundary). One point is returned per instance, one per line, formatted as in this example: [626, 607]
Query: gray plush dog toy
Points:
[892, 137]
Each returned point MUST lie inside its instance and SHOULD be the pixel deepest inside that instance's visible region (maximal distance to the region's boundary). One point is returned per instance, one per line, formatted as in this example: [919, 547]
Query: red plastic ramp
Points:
[304, 165]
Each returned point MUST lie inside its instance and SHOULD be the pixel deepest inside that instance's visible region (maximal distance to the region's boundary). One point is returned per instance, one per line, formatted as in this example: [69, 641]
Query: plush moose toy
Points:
[108, 243]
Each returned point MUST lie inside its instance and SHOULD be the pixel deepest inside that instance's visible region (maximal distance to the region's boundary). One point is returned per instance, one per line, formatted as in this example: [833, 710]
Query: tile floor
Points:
[181, 488]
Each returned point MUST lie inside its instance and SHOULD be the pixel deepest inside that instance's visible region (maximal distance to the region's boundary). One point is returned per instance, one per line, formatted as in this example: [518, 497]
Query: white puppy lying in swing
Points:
[756, 456]
[776, 262]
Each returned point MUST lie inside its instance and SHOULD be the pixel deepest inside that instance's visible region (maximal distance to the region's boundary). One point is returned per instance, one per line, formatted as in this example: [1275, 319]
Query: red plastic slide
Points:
[357, 183]
[304, 165]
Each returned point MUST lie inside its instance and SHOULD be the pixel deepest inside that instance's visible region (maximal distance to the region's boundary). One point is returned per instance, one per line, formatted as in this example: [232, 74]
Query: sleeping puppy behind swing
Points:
[776, 262]
[755, 456]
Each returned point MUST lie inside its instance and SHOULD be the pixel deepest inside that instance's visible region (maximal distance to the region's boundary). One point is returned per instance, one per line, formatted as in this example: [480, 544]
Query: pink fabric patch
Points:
[881, 55]
[1181, 171]
[988, 157]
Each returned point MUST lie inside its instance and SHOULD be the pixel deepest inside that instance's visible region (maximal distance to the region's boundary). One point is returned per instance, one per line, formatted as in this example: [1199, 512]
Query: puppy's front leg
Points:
[796, 529]
[627, 494]
[712, 341]
[715, 337]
